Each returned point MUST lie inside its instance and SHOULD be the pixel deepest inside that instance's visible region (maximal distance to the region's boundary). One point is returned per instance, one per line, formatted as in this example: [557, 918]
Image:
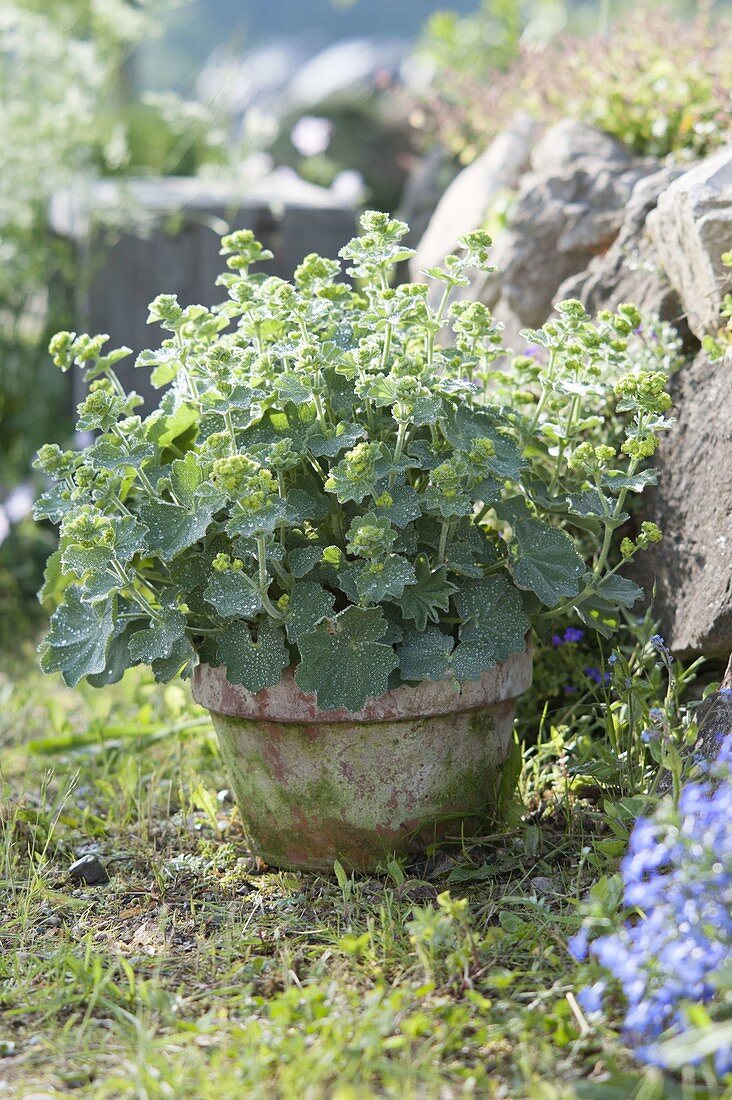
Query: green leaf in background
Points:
[77, 643]
[254, 665]
[546, 561]
[344, 662]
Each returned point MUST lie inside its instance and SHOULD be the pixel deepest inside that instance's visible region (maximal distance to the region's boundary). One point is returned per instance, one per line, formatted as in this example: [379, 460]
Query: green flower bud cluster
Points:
[101, 409]
[88, 528]
[481, 452]
[647, 389]
[450, 478]
[244, 481]
[223, 563]
[649, 533]
[358, 466]
[55, 462]
[370, 537]
[588, 457]
[242, 249]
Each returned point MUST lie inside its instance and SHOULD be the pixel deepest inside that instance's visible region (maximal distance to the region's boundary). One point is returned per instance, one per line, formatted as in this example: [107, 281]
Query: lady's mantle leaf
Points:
[429, 595]
[159, 639]
[402, 505]
[376, 581]
[234, 595]
[344, 661]
[255, 665]
[425, 655]
[79, 637]
[179, 662]
[465, 424]
[328, 443]
[546, 561]
[173, 528]
[619, 590]
[309, 604]
[493, 618]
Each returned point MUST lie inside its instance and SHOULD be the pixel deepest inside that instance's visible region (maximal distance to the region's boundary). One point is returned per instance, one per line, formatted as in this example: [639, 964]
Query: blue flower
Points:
[590, 998]
[612, 659]
[598, 677]
[677, 876]
[577, 945]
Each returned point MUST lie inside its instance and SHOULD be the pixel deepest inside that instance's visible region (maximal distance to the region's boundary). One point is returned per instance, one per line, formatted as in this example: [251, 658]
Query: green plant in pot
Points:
[332, 526]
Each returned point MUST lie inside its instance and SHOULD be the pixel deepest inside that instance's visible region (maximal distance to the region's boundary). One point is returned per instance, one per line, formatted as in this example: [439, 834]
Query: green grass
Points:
[197, 973]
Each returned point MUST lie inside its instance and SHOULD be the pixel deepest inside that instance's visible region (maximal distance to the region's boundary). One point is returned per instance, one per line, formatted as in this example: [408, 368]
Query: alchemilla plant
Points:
[347, 481]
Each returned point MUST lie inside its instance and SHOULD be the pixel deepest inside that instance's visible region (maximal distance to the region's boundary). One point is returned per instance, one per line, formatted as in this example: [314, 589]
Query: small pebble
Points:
[89, 870]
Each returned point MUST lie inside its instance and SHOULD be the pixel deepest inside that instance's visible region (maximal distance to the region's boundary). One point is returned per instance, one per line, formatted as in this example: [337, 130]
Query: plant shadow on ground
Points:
[196, 972]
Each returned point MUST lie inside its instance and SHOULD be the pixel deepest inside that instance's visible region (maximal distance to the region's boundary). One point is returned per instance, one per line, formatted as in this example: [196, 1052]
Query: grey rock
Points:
[88, 870]
[692, 503]
[465, 203]
[630, 270]
[714, 718]
[569, 144]
[691, 227]
[563, 217]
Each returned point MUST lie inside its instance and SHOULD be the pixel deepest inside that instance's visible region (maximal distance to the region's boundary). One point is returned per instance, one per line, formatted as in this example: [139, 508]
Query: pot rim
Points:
[284, 702]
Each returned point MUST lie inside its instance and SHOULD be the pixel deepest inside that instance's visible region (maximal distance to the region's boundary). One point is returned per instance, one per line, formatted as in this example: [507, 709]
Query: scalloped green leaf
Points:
[291, 386]
[309, 604]
[118, 656]
[254, 665]
[376, 581]
[263, 521]
[330, 442]
[180, 662]
[234, 595]
[172, 527]
[471, 659]
[493, 616]
[546, 561]
[79, 637]
[615, 480]
[428, 595]
[425, 655]
[302, 559]
[158, 640]
[619, 590]
[344, 662]
[112, 454]
[404, 508]
[465, 424]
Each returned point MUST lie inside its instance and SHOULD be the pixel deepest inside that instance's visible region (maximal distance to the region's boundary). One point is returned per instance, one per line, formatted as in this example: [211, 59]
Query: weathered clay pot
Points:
[315, 786]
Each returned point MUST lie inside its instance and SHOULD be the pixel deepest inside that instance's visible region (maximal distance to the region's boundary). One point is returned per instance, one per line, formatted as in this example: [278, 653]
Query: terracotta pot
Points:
[315, 786]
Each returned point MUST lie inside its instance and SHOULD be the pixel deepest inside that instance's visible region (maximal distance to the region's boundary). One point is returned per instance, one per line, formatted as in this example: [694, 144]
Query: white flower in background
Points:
[311, 135]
